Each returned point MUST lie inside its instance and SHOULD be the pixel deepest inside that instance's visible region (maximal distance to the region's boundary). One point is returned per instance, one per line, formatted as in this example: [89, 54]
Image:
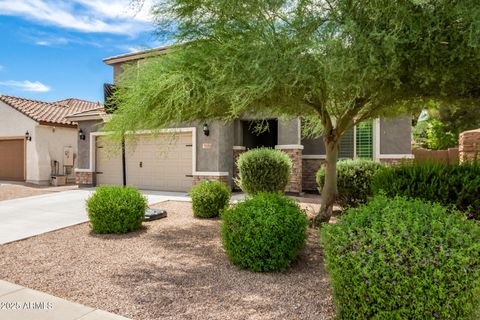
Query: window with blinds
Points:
[364, 140]
[347, 146]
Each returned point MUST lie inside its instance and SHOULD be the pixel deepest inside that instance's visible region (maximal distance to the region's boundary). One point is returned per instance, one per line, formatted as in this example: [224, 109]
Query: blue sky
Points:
[52, 50]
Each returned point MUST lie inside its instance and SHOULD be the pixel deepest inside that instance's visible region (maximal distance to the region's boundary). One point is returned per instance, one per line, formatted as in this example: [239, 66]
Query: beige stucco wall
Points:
[49, 143]
[46, 145]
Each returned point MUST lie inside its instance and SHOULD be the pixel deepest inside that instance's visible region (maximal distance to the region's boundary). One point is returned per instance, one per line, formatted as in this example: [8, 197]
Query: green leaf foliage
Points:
[334, 63]
[342, 59]
[354, 180]
[263, 170]
[438, 138]
[457, 185]
[264, 233]
[113, 209]
[209, 199]
[403, 259]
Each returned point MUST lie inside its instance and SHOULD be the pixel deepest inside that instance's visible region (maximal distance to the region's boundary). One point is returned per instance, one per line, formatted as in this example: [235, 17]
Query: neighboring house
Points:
[34, 137]
[182, 156]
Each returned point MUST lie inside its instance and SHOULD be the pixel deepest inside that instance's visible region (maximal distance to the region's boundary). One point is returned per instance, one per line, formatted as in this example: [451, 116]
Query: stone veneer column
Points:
[294, 152]
[84, 178]
[237, 151]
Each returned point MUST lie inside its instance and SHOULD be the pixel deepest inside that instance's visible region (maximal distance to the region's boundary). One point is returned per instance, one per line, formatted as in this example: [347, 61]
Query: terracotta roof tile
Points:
[50, 112]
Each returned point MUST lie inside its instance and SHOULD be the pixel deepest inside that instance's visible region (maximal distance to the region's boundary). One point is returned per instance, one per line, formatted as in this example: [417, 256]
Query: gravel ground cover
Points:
[173, 268]
[10, 191]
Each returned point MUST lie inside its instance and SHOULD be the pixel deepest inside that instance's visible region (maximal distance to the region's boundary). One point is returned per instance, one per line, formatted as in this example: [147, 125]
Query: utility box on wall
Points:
[67, 156]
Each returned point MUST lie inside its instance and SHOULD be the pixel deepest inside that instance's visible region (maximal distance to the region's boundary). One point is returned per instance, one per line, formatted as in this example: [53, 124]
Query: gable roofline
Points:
[46, 113]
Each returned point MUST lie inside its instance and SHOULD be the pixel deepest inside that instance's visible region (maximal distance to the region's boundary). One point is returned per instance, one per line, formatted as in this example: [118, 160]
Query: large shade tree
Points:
[334, 63]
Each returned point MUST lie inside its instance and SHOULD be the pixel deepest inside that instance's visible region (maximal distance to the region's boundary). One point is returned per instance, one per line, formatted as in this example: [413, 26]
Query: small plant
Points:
[403, 259]
[263, 170]
[113, 209]
[264, 233]
[209, 199]
[457, 185]
[354, 180]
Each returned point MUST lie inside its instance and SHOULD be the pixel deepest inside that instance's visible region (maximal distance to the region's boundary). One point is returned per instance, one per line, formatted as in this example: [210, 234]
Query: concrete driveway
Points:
[26, 217]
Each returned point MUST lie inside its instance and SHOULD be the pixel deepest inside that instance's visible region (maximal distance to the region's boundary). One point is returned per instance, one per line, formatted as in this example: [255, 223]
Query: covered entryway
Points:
[162, 162]
[12, 159]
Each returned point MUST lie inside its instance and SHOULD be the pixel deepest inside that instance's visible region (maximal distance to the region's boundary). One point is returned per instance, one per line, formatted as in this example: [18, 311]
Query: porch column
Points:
[294, 152]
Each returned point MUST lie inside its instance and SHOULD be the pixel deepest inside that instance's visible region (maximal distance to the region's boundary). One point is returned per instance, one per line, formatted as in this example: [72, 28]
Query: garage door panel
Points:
[12, 159]
[108, 163]
[166, 161]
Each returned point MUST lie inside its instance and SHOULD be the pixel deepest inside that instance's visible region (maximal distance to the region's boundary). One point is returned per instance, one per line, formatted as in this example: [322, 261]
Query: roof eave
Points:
[57, 124]
[137, 55]
[84, 118]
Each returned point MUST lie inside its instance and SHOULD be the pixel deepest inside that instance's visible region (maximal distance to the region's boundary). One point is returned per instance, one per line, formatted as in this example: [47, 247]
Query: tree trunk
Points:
[329, 190]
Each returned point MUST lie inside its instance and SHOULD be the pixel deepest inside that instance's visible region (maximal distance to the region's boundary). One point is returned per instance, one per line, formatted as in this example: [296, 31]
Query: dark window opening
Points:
[108, 91]
[268, 138]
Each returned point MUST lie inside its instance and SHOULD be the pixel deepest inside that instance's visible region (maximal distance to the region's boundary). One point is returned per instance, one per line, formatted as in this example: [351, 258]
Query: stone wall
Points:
[294, 152]
[469, 146]
[309, 173]
[84, 179]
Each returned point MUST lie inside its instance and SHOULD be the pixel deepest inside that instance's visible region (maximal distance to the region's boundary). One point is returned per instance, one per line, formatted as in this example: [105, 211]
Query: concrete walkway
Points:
[20, 303]
[26, 217]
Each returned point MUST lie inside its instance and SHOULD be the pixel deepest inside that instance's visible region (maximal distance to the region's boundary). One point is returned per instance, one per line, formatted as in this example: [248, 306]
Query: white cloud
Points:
[26, 85]
[107, 16]
[52, 41]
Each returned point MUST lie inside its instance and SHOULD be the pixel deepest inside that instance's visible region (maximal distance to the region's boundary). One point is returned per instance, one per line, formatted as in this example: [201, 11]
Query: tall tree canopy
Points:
[334, 63]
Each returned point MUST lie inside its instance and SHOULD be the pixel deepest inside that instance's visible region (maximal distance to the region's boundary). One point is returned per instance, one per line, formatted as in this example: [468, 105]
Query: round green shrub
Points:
[403, 259]
[209, 199]
[113, 209]
[263, 170]
[354, 180]
[264, 233]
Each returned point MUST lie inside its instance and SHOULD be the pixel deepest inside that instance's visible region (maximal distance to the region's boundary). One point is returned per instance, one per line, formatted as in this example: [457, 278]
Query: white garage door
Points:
[109, 163]
[152, 163]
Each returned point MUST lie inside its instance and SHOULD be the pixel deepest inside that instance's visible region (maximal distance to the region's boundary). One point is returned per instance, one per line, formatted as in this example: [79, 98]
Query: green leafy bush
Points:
[438, 137]
[457, 185]
[264, 233]
[403, 259]
[263, 170]
[113, 209]
[354, 180]
[209, 199]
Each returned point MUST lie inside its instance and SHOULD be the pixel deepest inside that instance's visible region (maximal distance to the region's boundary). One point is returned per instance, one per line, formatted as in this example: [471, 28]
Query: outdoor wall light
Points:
[28, 137]
[81, 134]
[206, 131]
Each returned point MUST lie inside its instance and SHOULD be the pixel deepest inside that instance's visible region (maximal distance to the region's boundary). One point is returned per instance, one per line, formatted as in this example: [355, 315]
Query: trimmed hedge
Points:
[263, 170]
[209, 199]
[403, 259]
[264, 233]
[113, 209]
[354, 180]
[457, 185]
